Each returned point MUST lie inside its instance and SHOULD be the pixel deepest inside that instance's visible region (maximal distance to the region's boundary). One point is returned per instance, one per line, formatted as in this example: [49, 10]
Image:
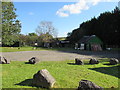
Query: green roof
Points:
[90, 39]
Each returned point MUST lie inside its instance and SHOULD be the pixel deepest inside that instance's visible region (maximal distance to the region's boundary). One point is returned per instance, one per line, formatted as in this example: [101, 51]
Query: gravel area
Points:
[56, 55]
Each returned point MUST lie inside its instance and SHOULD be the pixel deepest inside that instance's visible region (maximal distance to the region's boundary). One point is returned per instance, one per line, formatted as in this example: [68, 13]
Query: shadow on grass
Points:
[71, 63]
[114, 70]
[27, 82]
[78, 64]
[100, 54]
[107, 64]
[27, 63]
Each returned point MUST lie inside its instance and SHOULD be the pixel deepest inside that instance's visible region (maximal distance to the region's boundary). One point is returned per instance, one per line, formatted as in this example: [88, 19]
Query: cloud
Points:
[77, 7]
[95, 2]
[62, 14]
[30, 13]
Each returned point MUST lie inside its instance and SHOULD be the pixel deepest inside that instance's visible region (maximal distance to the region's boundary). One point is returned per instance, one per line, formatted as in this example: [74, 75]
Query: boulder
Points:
[93, 61]
[43, 79]
[113, 61]
[78, 61]
[3, 60]
[33, 60]
[88, 85]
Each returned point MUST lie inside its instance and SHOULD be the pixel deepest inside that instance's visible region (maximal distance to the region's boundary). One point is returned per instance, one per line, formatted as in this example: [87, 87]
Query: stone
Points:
[93, 61]
[78, 61]
[43, 79]
[88, 85]
[3, 60]
[33, 60]
[0, 62]
[113, 61]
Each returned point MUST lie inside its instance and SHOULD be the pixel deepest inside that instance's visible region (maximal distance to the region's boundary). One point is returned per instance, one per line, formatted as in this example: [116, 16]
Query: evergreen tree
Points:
[10, 26]
[105, 26]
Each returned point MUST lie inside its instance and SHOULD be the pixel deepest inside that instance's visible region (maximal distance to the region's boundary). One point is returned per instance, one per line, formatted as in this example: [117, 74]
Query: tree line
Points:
[105, 26]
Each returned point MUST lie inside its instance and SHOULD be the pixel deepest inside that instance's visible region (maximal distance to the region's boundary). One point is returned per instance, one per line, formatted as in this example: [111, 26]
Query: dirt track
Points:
[57, 55]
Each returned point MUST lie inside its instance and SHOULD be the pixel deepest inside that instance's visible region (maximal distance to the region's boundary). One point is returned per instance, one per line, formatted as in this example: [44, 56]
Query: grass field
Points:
[16, 49]
[18, 74]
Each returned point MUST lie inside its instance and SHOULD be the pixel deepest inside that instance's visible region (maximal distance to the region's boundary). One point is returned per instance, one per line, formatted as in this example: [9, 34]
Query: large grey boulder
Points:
[93, 61]
[3, 60]
[78, 61]
[43, 79]
[33, 60]
[113, 61]
[88, 85]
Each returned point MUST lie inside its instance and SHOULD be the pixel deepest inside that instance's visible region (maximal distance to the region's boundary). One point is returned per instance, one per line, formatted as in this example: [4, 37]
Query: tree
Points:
[105, 26]
[28, 40]
[69, 34]
[32, 34]
[32, 38]
[46, 27]
[10, 26]
[22, 40]
[46, 38]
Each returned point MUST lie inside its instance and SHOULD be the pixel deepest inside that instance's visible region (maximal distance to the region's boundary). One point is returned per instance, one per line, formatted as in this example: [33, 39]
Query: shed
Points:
[64, 43]
[90, 43]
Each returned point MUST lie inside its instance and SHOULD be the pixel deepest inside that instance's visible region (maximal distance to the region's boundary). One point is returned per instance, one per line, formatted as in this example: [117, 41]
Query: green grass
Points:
[67, 74]
[15, 49]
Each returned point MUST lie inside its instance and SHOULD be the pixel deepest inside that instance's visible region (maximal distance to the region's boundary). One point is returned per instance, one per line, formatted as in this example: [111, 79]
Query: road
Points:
[49, 55]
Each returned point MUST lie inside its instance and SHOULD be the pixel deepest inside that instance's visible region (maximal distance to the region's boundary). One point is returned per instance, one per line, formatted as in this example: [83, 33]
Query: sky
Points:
[65, 16]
